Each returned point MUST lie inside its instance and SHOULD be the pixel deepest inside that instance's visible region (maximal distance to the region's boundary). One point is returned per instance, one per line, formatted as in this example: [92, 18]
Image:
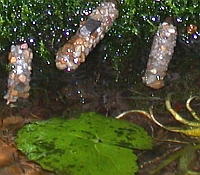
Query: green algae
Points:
[47, 25]
[52, 22]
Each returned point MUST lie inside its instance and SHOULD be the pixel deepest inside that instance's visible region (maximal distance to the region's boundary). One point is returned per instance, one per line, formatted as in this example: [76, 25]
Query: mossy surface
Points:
[48, 24]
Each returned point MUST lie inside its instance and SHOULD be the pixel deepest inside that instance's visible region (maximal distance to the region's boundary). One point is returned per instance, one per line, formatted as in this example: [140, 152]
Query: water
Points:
[109, 82]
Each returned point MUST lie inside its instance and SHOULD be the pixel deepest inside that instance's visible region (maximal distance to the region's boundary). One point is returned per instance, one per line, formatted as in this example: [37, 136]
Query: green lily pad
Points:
[88, 145]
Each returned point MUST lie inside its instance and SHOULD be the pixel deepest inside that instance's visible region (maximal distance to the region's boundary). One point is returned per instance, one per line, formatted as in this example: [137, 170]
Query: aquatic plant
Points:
[52, 23]
[90, 144]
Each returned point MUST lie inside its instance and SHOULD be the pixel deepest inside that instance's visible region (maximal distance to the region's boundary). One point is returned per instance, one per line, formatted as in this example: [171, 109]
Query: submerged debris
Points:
[90, 32]
[20, 59]
[12, 161]
[161, 53]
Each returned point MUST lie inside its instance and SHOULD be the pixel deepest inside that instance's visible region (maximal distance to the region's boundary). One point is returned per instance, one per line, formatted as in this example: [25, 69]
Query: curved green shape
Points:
[90, 144]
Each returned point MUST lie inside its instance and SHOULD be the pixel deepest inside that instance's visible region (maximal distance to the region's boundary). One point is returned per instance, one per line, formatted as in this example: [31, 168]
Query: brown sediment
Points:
[12, 161]
[191, 29]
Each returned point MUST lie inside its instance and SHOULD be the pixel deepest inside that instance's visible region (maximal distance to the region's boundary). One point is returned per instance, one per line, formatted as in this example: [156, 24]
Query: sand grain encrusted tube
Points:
[161, 53]
[20, 58]
[90, 32]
